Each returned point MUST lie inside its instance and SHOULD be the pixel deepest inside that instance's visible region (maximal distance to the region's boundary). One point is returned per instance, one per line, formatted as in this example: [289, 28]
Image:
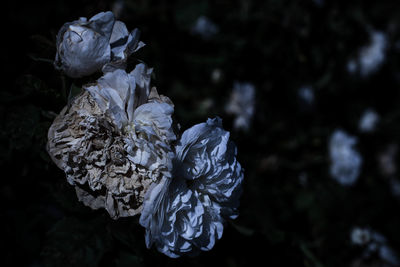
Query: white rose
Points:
[186, 214]
[86, 46]
[113, 141]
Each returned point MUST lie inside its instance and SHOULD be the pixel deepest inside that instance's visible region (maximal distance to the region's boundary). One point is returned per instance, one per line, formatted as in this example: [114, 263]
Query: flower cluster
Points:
[117, 145]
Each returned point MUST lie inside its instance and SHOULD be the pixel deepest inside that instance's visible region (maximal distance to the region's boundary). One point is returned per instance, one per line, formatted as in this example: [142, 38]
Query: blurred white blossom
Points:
[374, 243]
[205, 105]
[345, 160]
[216, 75]
[371, 56]
[204, 27]
[306, 94]
[241, 104]
[395, 187]
[113, 141]
[186, 214]
[360, 236]
[352, 66]
[368, 121]
[388, 255]
[387, 162]
[100, 43]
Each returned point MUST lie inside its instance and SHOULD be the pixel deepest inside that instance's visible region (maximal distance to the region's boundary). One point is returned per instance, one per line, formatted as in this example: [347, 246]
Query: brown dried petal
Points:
[85, 143]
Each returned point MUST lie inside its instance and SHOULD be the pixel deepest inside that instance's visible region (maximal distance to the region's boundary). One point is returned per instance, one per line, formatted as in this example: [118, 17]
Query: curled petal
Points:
[114, 93]
[119, 93]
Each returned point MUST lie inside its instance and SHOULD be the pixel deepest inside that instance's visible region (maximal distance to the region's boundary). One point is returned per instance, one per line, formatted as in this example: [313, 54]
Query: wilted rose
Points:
[113, 141]
[86, 46]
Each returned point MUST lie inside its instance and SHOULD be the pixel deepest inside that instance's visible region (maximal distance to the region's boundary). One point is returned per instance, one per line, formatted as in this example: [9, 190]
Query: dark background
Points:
[278, 46]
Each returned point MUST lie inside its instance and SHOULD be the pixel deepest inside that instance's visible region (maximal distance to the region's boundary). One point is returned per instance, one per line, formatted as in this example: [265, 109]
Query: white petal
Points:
[114, 93]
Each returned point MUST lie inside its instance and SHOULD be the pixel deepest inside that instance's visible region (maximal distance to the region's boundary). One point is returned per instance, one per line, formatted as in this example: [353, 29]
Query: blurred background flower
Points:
[345, 160]
[368, 121]
[371, 56]
[241, 105]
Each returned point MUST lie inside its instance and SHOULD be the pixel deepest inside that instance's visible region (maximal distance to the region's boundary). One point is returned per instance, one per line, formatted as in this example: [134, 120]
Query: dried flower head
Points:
[86, 46]
[186, 214]
[113, 141]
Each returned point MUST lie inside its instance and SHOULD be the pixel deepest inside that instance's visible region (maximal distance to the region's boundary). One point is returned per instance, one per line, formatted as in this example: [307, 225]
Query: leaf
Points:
[65, 195]
[304, 200]
[126, 259]
[73, 242]
[243, 229]
[42, 40]
[40, 59]
[126, 231]
[186, 13]
[73, 91]
[310, 256]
